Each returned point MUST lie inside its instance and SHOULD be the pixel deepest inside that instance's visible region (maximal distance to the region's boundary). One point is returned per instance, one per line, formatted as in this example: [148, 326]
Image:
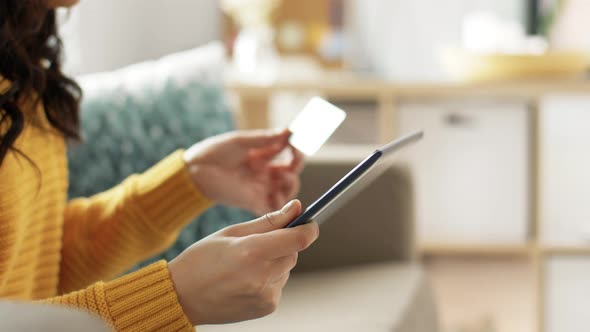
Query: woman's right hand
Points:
[239, 272]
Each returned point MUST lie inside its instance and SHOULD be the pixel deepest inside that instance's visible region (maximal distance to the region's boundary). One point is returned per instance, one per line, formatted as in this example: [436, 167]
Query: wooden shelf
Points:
[443, 249]
[476, 250]
[348, 86]
[566, 250]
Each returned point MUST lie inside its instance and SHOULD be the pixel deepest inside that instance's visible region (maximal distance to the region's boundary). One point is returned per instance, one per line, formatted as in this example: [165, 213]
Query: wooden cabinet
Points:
[471, 172]
[567, 289]
[565, 173]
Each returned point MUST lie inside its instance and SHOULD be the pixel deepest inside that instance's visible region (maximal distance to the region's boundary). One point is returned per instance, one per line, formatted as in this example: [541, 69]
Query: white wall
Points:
[106, 34]
[400, 39]
[397, 38]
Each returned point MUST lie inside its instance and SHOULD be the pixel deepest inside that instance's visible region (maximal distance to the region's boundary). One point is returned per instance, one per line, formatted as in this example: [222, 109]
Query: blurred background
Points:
[500, 186]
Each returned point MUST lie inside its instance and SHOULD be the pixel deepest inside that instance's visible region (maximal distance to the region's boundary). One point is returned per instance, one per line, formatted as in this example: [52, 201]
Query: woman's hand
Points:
[239, 272]
[237, 169]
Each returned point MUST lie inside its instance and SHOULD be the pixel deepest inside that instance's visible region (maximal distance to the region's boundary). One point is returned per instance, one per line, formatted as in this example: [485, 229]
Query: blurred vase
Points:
[255, 57]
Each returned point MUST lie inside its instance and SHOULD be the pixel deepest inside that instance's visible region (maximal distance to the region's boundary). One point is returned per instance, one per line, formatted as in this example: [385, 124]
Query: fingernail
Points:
[288, 207]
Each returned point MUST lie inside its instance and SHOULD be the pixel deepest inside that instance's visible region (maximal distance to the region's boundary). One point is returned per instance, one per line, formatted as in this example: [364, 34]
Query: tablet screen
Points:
[350, 184]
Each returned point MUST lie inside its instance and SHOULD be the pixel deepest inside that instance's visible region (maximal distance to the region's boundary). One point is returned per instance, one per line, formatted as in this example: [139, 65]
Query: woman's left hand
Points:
[237, 169]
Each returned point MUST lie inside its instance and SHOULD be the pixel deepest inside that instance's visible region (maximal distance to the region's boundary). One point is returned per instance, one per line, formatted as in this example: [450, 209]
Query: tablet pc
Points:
[351, 178]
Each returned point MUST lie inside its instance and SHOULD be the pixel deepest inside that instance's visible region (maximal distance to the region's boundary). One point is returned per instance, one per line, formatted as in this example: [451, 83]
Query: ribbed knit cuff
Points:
[167, 195]
[145, 300]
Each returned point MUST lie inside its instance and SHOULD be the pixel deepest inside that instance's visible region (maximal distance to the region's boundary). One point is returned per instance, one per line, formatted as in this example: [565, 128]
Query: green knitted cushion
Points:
[129, 127]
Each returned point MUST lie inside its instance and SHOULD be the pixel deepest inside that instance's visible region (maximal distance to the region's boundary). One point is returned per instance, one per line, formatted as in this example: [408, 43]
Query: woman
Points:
[59, 252]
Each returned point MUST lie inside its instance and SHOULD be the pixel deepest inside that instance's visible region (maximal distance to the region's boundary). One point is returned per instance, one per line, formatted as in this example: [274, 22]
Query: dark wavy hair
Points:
[30, 57]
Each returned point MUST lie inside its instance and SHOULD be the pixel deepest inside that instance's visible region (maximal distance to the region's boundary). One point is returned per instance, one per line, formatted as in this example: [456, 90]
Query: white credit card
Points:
[314, 125]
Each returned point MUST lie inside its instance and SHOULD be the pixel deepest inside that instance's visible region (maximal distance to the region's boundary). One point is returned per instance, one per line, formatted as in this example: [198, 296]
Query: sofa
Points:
[362, 274]
[27, 316]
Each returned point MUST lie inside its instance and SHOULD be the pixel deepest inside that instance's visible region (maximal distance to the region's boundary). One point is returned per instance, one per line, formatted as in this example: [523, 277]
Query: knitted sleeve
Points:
[106, 234]
[144, 300]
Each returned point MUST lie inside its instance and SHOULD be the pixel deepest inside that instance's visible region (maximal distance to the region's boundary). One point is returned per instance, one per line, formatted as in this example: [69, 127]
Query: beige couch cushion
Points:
[374, 225]
[380, 297]
[25, 316]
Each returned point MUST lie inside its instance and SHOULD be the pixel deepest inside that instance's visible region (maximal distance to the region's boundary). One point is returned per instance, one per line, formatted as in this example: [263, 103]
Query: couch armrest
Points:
[375, 225]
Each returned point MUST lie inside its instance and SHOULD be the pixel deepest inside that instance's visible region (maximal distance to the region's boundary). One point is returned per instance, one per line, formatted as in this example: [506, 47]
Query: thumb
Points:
[268, 222]
[263, 138]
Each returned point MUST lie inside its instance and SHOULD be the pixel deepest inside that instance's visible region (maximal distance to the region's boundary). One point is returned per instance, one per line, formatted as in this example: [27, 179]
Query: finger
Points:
[291, 186]
[280, 283]
[281, 266]
[262, 158]
[272, 200]
[285, 183]
[283, 242]
[276, 287]
[261, 138]
[268, 222]
[280, 186]
[267, 152]
[298, 160]
[261, 207]
[293, 167]
[278, 199]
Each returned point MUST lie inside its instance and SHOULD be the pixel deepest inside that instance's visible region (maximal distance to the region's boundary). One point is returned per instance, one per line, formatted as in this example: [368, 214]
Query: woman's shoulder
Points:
[30, 105]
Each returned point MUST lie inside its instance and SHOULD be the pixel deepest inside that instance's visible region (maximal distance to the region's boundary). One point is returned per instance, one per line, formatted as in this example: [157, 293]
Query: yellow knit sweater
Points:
[68, 253]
